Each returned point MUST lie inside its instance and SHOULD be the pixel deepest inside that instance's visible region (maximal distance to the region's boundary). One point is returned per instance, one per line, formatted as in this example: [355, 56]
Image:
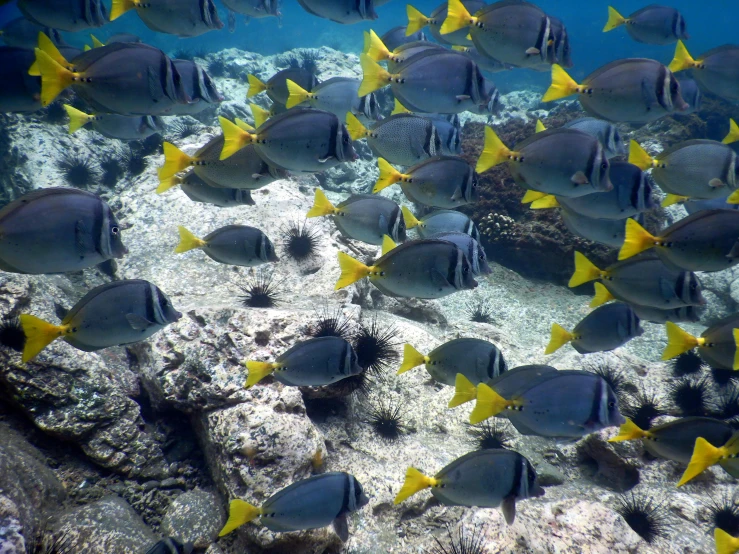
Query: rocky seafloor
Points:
[108, 451]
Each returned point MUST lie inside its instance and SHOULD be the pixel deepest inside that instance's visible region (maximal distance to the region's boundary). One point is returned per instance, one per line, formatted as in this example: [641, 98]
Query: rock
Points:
[195, 516]
[604, 466]
[12, 540]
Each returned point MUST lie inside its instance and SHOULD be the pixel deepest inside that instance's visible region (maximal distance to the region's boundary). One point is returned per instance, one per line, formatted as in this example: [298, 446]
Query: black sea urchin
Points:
[723, 377]
[727, 406]
[182, 129]
[647, 517]
[134, 162]
[112, 170]
[260, 291]
[376, 346]
[216, 68]
[301, 240]
[490, 434]
[478, 310]
[11, 334]
[387, 420]
[55, 113]
[692, 397]
[78, 171]
[687, 363]
[462, 543]
[614, 377]
[332, 324]
[643, 408]
[724, 514]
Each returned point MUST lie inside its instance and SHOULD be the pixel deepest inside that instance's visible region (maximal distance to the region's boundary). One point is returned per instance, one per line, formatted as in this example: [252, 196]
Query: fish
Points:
[364, 217]
[717, 345]
[314, 362]
[692, 206]
[149, 77]
[198, 190]
[507, 384]
[441, 221]
[490, 102]
[725, 543]
[483, 478]
[415, 269]
[706, 455]
[122, 37]
[376, 49]
[170, 546]
[121, 127]
[233, 244]
[121, 312]
[485, 63]
[246, 169]
[450, 133]
[703, 241]
[605, 328]
[300, 139]
[478, 360]
[633, 90]
[311, 503]
[607, 133]
[255, 8]
[198, 86]
[433, 81]
[714, 70]
[58, 230]
[22, 33]
[559, 50]
[417, 21]
[691, 93]
[276, 86]
[565, 162]
[645, 281]
[346, 12]
[337, 95]
[611, 232]
[516, 33]
[655, 315]
[472, 249]
[402, 139]
[441, 182]
[65, 15]
[397, 36]
[650, 25]
[562, 404]
[21, 92]
[182, 18]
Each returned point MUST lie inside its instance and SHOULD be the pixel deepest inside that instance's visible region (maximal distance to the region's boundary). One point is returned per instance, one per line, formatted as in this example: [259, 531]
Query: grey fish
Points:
[23, 33]
[717, 70]
[276, 86]
[414, 269]
[337, 95]
[450, 133]
[604, 131]
[122, 37]
[486, 63]
[692, 206]
[402, 139]
[478, 360]
[416, 21]
[516, 380]
[307, 504]
[341, 11]
[676, 315]
[484, 478]
[56, 230]
[610, 232]
[691, 93]
[121, 127]
[397, 36]
[198, 86]
[182, 18]
[605, 328]
[490, 101]
[233, 244]
[406, 51]
[716, 345]
[650, 25]
[314, 362]
[364, 217]
[441, 221]
[255, 8]
[198, 190]
[121, 312]
[65, 15]
[170, 546]
[472, 249]
[20, 92]
[559, 48]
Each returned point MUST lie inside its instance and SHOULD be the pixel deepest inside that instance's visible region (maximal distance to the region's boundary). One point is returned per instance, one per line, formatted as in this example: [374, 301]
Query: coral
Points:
[260, 291]
[301, 240]
[78, 171]
[646, 516]
[490, 434]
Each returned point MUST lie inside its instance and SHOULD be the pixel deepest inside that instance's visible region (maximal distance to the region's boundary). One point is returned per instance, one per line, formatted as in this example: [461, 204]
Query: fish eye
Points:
[604, 165]
[673, 86]
[115, 230]
[466, 269]
[611, 404]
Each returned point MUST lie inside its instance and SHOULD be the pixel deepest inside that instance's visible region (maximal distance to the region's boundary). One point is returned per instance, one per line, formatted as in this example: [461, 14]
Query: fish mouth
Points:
[177, 316]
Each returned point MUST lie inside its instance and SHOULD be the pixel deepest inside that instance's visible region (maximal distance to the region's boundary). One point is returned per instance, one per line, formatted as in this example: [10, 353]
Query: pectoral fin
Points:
[138, 323]
[716, 182]
[438, 280]
[579, 178]
[509, 509]
[532, 51]
[341, 527]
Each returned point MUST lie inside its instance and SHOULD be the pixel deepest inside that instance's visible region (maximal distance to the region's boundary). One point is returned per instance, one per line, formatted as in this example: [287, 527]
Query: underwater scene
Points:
[368, 277]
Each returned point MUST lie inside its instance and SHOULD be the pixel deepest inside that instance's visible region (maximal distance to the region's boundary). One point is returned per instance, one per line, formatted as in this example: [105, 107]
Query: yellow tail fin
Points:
[321, 205]
[560, 337]
[532, 195]
[602, 295]
[539, 126]
[351, 271]
[585, 271]
[494, 152]
[415, 481]
[615, 19]
[628, 432]
[168, 183]
[399, 108]
[457, 18]
[409, 218]
[464, 391]
[640, 157]
[175, 160]
[733, 135]
[388, 175]
[239, 513]
[489, 403]
[725, 543]
[258, 371]
[637, 239]
[416, 20]
[96, 43]
[387, 244]
[188, 241]
[120, 7]
[259, 114]
[86, 48]
[735, 366]
[234, 138]
[255, 86]
[411, 358]
[682, 60]
[678, 341]
[355, 127]
[544, 203]
[562, 85]
[704, 456]
[54, 77]
[298, 94]
[373, 76]
[77, 118]
[733, 198]
[45, 44]
[39, 334]
[243, 125]
[376, 49]
[671, 199]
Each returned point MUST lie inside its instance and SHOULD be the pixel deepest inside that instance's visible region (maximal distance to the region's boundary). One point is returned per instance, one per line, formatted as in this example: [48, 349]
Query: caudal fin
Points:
[615, 19]
[410, 220]
[399, 108]
[725, 543]
[704, 456]
[562, 85]
[494, 152]
[416, 20]
[77, 118]
[489, 403]
[464, 391]
[585, 271]
[388, 175]
[671, 199]
[351, 271]
[239, 513]
[678, 341]
[532, 196]
[560, 337]
[682, 59]
[376, 49]
[188, 241]
[54, 77]
[234, 138]
[256, 85]
[457, 18]
[411, 358]
[321, 205]
[45, 44]
[168, 183]
[637, 240]
[628, 432]
[259, 114]
[602, 295]
[733, 135]
[119, 7]
[548, 201]
[39, 334]
[374, 77]
[415, 481]
[639, 157]
[297, 94]
[258, 371]
[539, 126]
[175, 160]
[355, 127]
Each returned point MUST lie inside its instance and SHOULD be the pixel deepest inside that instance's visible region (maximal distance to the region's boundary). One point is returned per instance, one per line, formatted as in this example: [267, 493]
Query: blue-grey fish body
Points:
[408, 50]
[692, 206]
[277, 84]
[315, 502]
[450, 133]
[514, 381]
[676, 315]
[457, 38]
[22, 33]
[606, 328]
[56, 230]
[631, 195]
[170, 546]
[396, 36]
[255, 8]
[316, 362]
[604, 131]
[566, 404]
[404, 139]
[656, 25]
[127, 127]
[472, 249]
[305, 140]
[490, 101]
[691, 93]
[121, 312]
[122, 37]
[486, 63]
[441, 182]
[610, 232]
[341, 11]
[198, 190]
[183, 18]
[478, 360]
[65, 15]
[198, 86]
[718, 71]
[487, 479]
[559, 50]
[20, 92]
[338, 95]
[368, 217]
[719, 346]
[239, 245]
[443, 221]
[675, 440]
